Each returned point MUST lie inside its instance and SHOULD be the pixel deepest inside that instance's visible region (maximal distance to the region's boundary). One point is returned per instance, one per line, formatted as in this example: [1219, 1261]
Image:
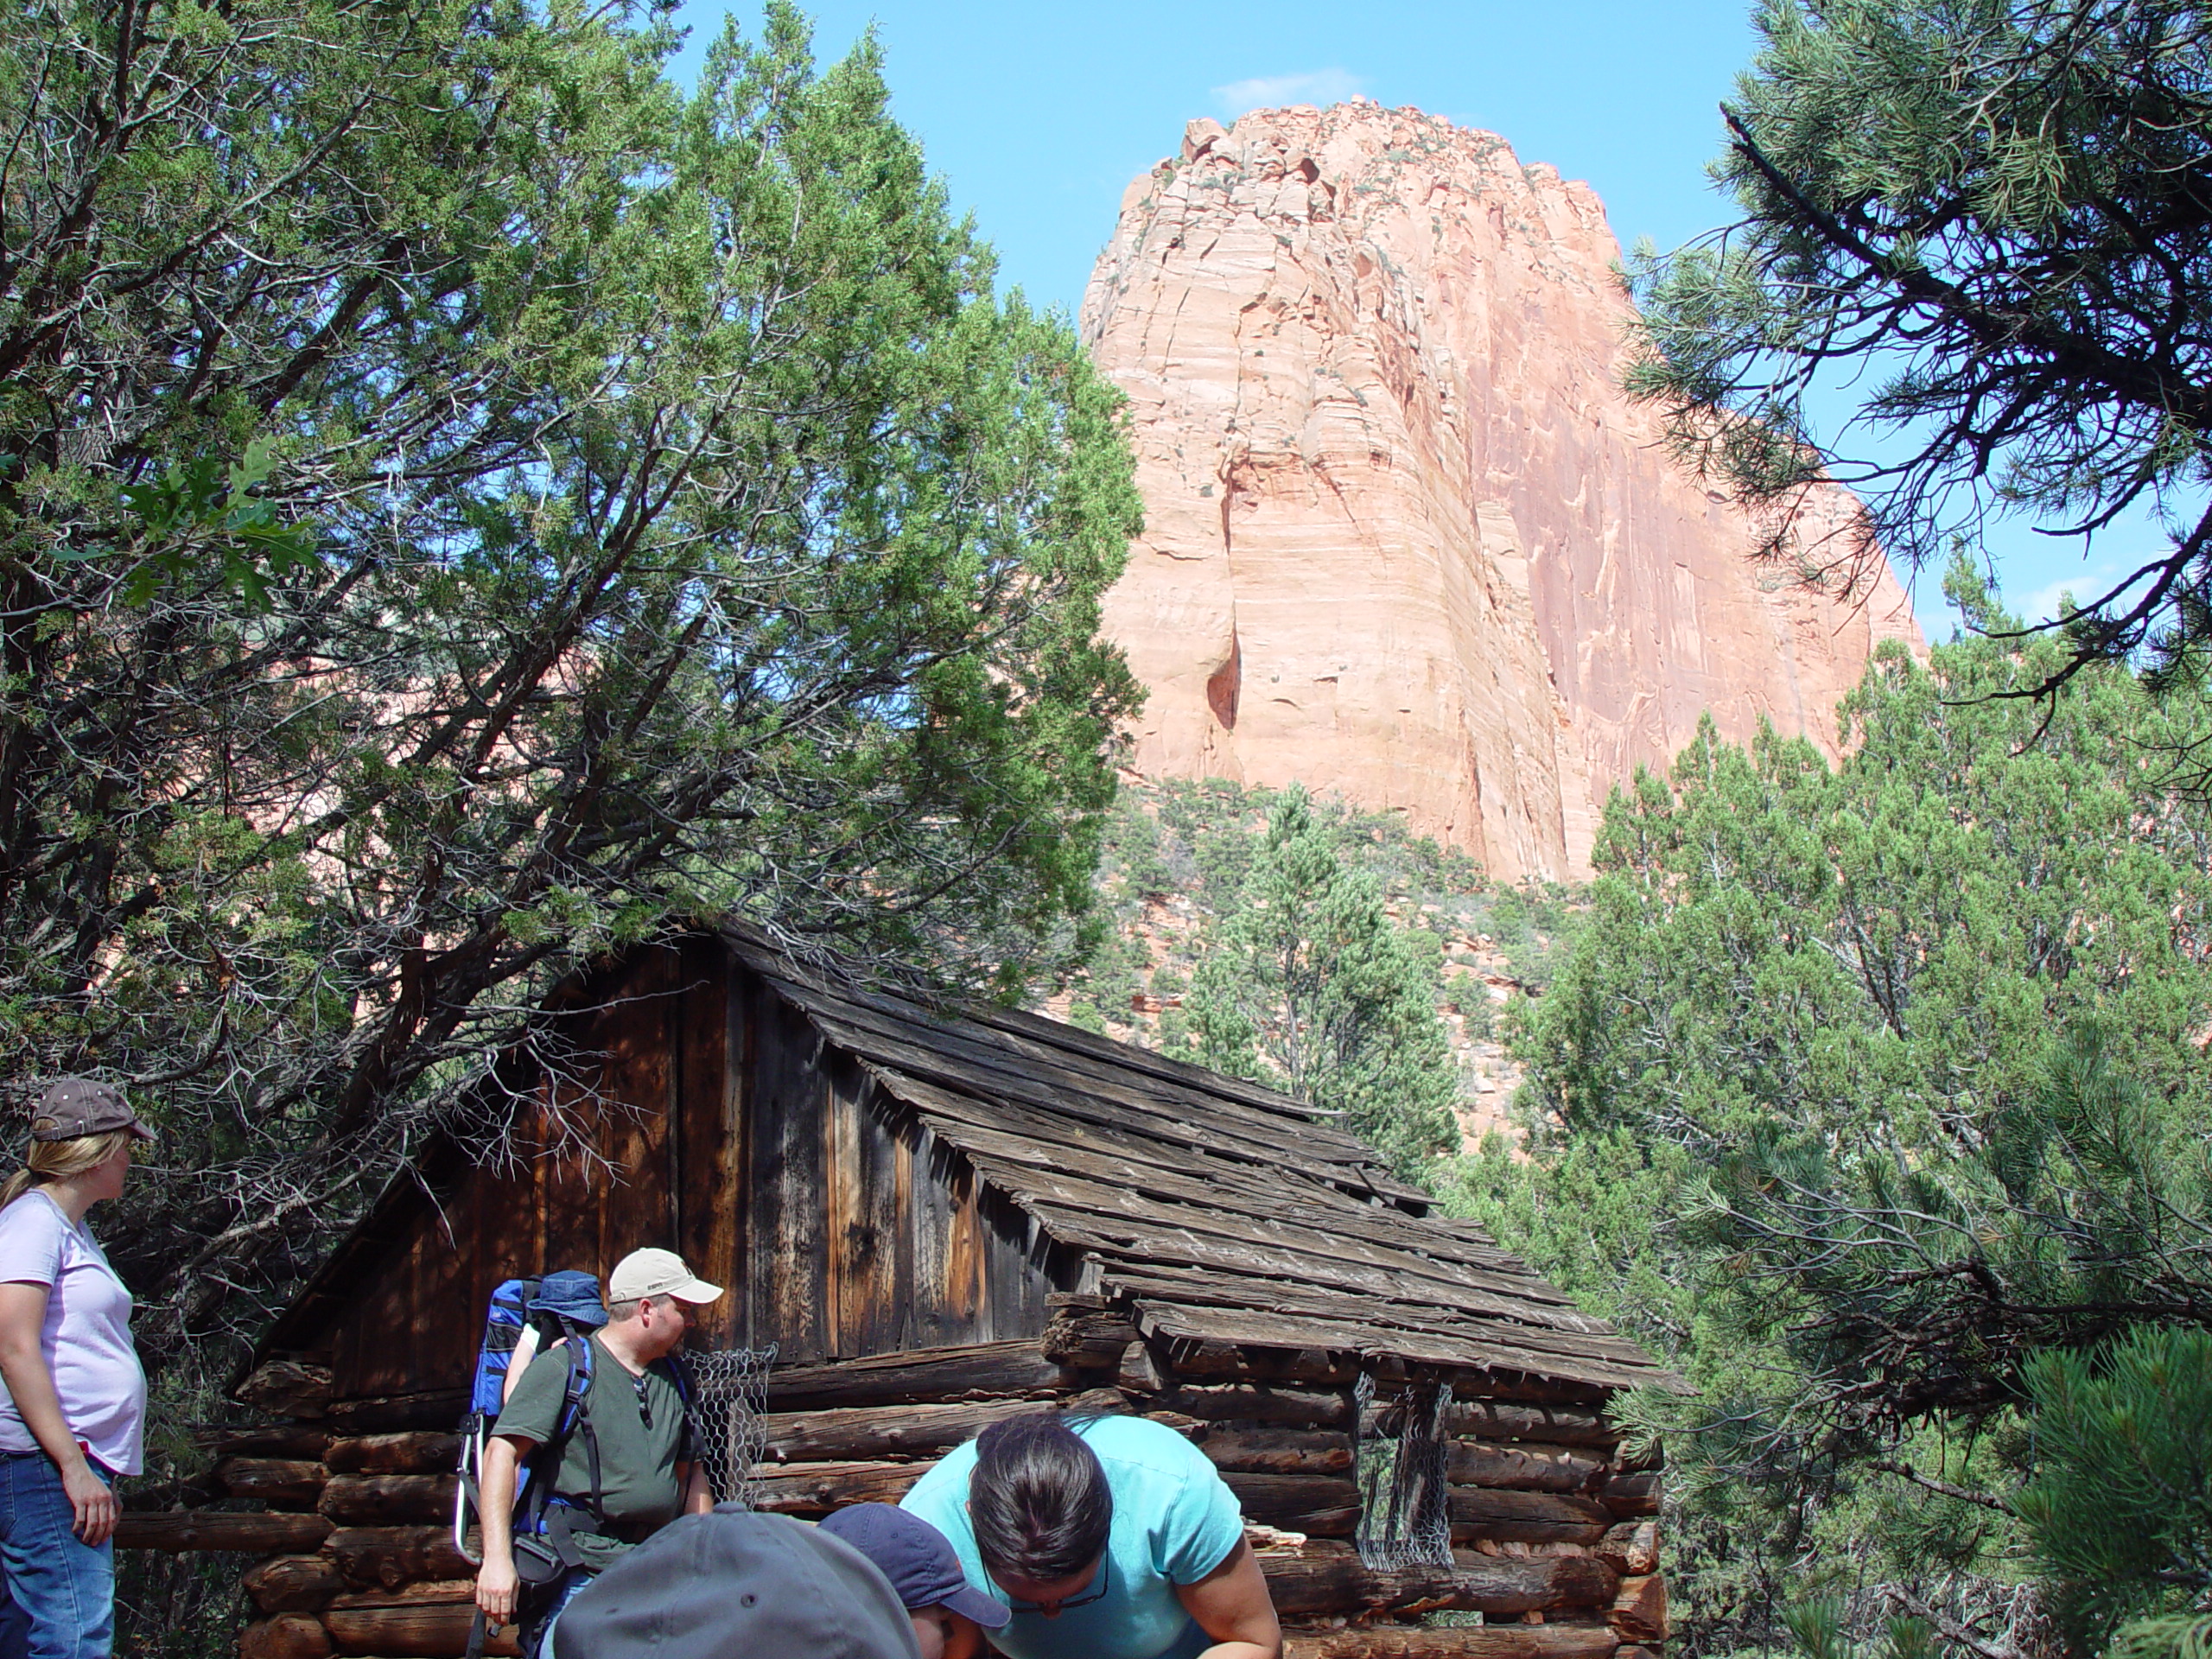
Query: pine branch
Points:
[1944, 1488]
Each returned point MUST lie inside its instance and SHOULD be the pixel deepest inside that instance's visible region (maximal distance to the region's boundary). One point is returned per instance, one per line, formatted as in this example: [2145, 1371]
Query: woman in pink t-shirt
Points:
[73, 1413]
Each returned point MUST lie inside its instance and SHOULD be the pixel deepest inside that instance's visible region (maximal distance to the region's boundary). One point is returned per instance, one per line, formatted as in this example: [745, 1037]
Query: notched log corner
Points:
[287, 1387]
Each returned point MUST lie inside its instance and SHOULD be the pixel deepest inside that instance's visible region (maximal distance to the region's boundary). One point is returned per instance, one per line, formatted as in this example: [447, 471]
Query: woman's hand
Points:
[93, 1501]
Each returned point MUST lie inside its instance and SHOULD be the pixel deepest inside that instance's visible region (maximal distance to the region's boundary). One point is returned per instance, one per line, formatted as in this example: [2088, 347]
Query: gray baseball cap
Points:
[709, 1586]
[79, 1106]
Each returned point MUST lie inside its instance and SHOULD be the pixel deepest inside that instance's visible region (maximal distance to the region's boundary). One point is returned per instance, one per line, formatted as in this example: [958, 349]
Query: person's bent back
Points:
[1107, 1537]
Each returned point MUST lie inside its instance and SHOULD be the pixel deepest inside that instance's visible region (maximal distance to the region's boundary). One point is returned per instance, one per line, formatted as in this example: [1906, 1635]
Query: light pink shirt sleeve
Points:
[31, 1240]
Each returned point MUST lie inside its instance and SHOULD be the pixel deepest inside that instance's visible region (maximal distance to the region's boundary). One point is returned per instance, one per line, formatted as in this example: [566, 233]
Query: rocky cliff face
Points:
[1405, 539]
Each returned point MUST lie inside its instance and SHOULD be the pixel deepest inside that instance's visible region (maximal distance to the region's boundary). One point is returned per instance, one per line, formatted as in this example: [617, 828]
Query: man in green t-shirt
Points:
[646, 1475]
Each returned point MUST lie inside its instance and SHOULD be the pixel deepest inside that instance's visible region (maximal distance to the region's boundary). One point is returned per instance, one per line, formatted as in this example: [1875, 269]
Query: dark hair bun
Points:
[1038, 1500]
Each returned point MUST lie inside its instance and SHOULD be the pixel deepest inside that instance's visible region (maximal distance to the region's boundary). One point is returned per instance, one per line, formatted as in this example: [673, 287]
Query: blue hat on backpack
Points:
[570, 1295]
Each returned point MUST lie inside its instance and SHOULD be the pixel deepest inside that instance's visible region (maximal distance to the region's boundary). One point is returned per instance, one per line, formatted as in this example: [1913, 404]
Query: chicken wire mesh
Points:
[1405, 1517]
[729, 1410]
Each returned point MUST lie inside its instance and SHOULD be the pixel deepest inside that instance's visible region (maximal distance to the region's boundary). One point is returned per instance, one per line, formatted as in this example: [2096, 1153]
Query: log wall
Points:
[1555, 1539]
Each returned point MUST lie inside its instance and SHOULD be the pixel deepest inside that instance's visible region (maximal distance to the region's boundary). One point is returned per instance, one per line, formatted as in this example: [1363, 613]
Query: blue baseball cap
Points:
[571, 1294]
[917, 1560]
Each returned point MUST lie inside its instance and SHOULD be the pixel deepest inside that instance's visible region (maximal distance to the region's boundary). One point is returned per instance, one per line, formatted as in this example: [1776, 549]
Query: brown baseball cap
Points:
[79, 1106]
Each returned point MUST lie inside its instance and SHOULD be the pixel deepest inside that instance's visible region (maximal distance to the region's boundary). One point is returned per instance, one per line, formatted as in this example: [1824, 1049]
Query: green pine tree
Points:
[1866, 1084]
[1989, 219]
[2119, 1510]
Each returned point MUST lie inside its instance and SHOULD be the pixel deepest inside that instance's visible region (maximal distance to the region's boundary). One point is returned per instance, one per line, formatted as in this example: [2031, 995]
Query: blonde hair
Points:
[57, 1161]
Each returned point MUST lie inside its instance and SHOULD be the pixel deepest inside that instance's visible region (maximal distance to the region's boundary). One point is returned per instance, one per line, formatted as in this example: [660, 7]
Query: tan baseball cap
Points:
[657, 1273]
[81, 1106]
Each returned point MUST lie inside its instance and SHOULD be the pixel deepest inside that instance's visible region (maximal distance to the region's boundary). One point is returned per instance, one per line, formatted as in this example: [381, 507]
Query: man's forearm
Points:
[495, 1495]
[698, 1496]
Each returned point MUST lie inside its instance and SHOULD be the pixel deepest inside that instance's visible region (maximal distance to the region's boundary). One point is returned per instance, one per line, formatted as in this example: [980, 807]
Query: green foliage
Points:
[197, 508]
[2174, 1636]
[2119, 1510]
[643, 508]
[1818, 1628]
[1863, 1084]
[1195, 872]
[1308, 985]
[1991, 212]
[1532, 926]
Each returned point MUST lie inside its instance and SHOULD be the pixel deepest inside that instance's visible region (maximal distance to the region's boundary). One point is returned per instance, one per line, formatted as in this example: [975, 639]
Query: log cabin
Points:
[936, 1217]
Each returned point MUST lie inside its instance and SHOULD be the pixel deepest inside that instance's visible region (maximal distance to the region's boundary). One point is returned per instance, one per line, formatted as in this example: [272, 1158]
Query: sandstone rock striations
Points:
[1407, 541]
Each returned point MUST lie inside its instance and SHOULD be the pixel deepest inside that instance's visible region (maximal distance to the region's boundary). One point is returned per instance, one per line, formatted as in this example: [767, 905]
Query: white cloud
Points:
[2085, 583]
[1322, 87]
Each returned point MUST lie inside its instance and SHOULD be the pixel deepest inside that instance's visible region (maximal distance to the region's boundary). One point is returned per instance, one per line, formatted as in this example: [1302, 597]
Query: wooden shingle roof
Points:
[1223, 1210]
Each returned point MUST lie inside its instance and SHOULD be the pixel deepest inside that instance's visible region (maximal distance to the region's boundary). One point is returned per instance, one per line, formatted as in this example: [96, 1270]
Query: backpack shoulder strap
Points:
[679, 1374]
[672, 1367]
[575, 1417]
[545, 1460]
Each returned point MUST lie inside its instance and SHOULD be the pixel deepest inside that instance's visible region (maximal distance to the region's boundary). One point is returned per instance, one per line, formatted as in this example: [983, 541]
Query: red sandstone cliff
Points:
[1406, 540]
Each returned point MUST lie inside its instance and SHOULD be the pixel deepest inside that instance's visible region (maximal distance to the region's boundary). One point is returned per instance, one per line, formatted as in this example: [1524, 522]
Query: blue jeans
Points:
[65, 1588]
[538, 1643]
[14, 1629]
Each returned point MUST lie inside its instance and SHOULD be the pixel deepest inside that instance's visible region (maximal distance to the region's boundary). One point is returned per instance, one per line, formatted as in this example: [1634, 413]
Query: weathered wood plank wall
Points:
[712, 1121]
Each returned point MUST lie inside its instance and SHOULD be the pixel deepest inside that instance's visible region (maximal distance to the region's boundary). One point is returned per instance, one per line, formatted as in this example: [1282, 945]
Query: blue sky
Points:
[1036, 117]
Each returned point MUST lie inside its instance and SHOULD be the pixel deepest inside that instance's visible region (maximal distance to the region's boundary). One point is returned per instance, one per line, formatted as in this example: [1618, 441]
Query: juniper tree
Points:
[465, 506]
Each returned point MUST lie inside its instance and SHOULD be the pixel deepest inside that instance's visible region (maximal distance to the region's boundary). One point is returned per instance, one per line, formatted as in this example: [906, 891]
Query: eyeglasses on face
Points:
[1096, 1593]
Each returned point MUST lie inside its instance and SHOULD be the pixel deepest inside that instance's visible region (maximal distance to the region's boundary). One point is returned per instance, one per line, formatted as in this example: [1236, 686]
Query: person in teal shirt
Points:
[1109, 1537]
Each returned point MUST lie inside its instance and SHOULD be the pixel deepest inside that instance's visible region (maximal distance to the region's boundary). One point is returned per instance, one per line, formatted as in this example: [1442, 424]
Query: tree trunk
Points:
[1325, 1579]
[975, 1370]
[811, 1489]
[1531, 1467]
[391, 1557]
[1490, 1420]
[1639, 1611]
[423, 1630]
[386, 1413]
[1257, 1403]
[288, 1635]
[281, 1483]
[866, 1433]
[1632, 1548]
[1528, 1518]
[1277, 1450]
[1320, 1505]
[1484, 1642]
[273, 1440]
[284, 1388]
[1633, 1494]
